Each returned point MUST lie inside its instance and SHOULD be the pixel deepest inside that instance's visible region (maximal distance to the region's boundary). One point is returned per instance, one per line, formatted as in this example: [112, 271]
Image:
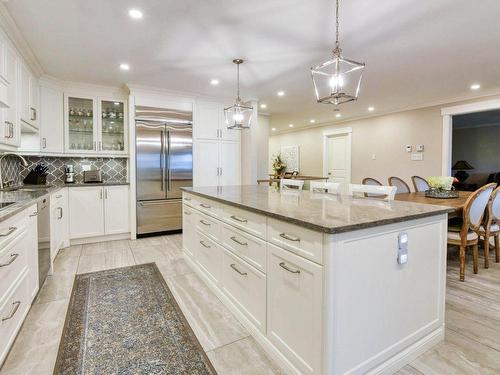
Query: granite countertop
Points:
[318, 211]
[31, 194]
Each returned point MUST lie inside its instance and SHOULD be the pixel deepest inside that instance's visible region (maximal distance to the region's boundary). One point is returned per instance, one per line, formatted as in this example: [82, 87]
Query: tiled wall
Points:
[113, 169]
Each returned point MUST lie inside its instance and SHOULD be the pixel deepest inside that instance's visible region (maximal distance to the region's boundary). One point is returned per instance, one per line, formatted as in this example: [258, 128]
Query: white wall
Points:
[255, 148]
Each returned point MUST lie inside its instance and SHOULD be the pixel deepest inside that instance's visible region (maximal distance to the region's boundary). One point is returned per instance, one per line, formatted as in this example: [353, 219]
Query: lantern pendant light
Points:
[238, 116]
[338, 80]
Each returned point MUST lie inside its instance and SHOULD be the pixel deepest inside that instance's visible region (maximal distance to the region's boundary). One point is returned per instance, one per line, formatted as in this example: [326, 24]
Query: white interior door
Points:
[338, 158]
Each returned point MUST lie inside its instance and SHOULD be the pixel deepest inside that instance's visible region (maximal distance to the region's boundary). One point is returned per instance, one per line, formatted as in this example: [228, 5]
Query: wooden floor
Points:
[472, 341]
[472, 344]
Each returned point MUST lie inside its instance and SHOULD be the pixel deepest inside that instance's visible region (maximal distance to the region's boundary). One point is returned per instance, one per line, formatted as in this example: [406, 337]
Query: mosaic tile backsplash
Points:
[113, 169]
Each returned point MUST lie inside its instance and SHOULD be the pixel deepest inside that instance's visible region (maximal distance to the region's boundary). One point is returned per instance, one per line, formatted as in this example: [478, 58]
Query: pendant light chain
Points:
[238, 81]
[337, 51]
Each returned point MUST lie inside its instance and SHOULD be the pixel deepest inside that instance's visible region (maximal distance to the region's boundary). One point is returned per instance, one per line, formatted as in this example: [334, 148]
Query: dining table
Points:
[456, 203]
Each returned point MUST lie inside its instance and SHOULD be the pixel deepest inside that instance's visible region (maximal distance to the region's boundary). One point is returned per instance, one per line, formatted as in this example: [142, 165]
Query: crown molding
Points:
[16, 37]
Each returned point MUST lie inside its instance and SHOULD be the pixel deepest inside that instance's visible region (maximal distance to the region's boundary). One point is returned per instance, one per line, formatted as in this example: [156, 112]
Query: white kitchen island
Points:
[315, 278]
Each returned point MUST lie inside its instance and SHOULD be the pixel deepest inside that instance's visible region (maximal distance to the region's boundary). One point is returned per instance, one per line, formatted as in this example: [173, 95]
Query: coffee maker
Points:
[69, 170]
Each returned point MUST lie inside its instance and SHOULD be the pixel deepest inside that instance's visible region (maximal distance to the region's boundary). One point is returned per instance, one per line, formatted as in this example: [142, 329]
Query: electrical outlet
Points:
[374, 157]
[408, 148]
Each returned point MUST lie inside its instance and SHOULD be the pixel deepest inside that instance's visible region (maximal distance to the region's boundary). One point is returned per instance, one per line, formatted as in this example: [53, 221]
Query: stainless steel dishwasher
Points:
[43, 225]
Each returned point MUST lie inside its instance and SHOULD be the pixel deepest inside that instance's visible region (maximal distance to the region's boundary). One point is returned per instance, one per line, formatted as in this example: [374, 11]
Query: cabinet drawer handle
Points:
[34, 214]
[289, 237]
[205, 245]
[59, 196]
[16, 306]
[187, 198]
[13, 257]
[187, 213]
[233, 266]
[33, 114]
[205, 223]
[238, 241]
[240, 219]
[284, 266]
[60, 213]
[205, 205]
[9, 232]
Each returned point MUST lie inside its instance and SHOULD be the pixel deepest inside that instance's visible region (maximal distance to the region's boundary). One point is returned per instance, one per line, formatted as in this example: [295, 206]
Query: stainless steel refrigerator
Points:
[164, 164]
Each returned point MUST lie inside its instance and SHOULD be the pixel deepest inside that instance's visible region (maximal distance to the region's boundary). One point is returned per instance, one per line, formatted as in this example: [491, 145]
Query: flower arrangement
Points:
[440, 182]
[278, 165]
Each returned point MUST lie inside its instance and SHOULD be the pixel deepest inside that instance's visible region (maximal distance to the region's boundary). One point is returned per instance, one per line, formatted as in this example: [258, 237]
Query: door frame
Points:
[335, 132]
[447, 129]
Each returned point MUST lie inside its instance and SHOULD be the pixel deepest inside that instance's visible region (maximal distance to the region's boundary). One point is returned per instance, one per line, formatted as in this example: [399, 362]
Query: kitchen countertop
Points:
[31, 194]
[318, 211]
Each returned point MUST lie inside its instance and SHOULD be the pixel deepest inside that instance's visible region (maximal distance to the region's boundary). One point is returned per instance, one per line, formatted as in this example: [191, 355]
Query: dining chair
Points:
[491, 227]
[289, 184]
[323, 186]
[402, 187]
[464, 234]
[419, 183]
[371, 181]
[380, 192]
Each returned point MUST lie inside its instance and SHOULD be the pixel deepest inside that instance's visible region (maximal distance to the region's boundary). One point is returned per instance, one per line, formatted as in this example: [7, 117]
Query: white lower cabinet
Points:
[246, 287]
[86, 212]
[98, 211]
[116, 210]
[18, 274]
[208, 256]
[58, 221]
[294, 308]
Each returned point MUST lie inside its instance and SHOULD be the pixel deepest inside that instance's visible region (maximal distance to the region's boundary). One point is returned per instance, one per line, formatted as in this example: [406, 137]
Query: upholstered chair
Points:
[402, 187]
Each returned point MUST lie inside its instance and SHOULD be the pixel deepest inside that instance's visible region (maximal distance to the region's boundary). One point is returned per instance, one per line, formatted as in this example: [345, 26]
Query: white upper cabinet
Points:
[95, 125]
[229, 156]
[206, 163]
[209, 122]
[29, 96]
[9, 129]
[51, 120]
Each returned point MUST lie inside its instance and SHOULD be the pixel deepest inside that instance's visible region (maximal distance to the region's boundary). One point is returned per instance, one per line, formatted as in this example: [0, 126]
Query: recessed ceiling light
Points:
[475, 86]
[281, 93]
[312, 121]
[263, 106]
[214, 82]
[135, 14]
[290, 125]
[273, 129]
[124, 66]
[338, 115]
[371, 109]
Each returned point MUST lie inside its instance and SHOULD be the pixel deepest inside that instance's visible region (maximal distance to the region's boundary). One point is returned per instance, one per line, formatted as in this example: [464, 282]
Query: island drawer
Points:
[208, 256]
[13, 261]
[12, 227]
[247, 221]
[248, 247]
[206, 206]
[188, 199]
[299, 240]
[207, 225]
[13, 309]
[246, 287]
[189, 217]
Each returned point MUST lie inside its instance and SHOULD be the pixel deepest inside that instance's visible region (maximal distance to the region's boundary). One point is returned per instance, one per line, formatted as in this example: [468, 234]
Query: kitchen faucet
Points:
[23, 161]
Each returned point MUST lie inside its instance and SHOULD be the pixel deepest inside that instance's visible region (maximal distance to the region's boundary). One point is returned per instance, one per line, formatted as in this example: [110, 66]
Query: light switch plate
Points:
[420, 148]
[417, 157]
[408, 148]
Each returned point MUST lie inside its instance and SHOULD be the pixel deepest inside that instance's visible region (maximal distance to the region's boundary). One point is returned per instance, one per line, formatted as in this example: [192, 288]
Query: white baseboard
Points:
[268, 347]
[111, 237]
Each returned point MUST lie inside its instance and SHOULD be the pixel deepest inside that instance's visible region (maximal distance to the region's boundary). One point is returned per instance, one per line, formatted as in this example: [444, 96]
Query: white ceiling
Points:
[416, 52]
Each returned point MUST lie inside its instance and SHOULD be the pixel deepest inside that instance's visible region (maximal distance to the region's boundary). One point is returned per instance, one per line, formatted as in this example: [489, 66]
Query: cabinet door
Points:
[229, 163]
[112, 126]
[51, 120]
[116, 209]
[206, 163]
[10, 131]
[81, 125]
[56, 215]
[294, 308]
[86, 212]
[25, 77]
[31, 241]
[207, 118]
[34, 101]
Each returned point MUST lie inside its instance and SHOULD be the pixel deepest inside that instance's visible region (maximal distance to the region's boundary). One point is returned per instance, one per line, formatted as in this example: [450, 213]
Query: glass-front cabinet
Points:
[95, 125]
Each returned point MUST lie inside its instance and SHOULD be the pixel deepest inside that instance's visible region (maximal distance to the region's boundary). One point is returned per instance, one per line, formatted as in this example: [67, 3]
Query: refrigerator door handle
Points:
[169, 174]
[162, 161]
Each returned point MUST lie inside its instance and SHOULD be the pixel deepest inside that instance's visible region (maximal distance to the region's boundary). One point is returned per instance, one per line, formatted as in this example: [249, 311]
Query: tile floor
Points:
[472, 344]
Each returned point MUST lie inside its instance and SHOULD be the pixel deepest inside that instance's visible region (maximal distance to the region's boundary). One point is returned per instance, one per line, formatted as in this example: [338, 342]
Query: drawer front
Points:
[13, 261]
[208, 256]
[208, 226]
[245, 220]
[188, 227]
[189, 199]
[12, 312]
[301, 241]
[207, 206]
[12, 227]
[246, 287]
[250, 248]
